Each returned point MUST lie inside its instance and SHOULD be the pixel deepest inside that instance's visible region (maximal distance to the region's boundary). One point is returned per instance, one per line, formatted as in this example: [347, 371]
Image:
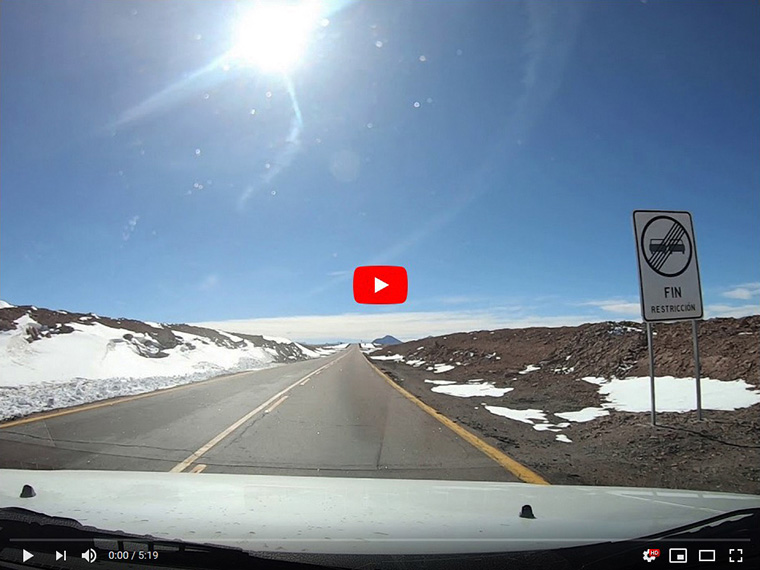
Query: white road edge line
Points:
[180, 467]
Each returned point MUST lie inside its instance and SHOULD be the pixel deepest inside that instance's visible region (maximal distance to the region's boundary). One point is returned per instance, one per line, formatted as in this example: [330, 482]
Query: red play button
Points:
[380, 284]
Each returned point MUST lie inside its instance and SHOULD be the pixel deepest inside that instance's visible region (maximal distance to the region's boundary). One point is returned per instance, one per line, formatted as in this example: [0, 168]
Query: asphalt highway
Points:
[332, 416]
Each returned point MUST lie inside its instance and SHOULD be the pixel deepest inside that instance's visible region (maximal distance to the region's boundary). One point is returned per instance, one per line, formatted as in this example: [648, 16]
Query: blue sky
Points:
[494, 149]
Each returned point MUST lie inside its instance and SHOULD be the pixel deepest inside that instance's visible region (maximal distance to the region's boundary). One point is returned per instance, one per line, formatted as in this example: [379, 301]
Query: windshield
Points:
[383, 239]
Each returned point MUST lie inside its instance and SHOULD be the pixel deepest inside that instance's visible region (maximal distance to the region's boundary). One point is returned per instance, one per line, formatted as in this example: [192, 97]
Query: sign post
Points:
[651, 372]
[668, 278]
[694, 328]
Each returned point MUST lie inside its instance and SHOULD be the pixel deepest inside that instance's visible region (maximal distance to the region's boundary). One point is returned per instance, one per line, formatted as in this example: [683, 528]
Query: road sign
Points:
[668, 268]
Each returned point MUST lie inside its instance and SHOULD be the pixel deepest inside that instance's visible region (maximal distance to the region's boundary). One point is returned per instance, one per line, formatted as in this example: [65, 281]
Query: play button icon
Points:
[380, 284]
[26, 555]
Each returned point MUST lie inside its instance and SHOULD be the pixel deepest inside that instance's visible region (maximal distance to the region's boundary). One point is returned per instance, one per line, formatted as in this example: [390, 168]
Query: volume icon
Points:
[90, 555]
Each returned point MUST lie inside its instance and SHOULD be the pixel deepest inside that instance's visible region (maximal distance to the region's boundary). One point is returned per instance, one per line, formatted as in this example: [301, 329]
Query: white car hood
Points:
[361, 516]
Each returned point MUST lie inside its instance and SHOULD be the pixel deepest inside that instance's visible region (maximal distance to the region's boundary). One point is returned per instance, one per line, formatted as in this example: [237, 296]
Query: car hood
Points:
[362, 516]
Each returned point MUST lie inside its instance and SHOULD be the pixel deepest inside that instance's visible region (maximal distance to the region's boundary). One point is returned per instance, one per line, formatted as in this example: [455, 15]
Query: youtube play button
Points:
[380, 284]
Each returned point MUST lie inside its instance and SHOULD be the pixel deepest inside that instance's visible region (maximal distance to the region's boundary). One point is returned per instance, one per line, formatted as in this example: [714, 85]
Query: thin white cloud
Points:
[744, 292]
[549, 40]
[209, 282]
[404, 326]
[129, 227]
[617, 306]
[458, 299]
[719, 310]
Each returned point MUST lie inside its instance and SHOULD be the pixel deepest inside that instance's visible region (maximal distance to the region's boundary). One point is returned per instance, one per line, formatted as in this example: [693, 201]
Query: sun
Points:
[273, 37]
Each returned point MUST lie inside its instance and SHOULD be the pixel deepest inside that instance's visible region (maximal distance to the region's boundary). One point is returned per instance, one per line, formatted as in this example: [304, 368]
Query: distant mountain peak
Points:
[387, 339]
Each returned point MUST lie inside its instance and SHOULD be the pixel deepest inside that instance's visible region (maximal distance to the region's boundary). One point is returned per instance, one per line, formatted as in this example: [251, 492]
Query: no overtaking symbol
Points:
[663, 237]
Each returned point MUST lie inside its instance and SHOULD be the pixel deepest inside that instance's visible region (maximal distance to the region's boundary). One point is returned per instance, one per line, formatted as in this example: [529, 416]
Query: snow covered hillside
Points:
[54, 359]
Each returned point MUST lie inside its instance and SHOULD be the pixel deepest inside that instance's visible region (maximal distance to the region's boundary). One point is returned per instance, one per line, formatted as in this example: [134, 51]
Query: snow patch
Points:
[530, 368]
[330, 349]
[525, 416]
[678, 394]
[584, 415]
[622, 329]
[471, 390]
[594, 380]
[393, 357]
[277, 339]
[563, 437]
[307, 351]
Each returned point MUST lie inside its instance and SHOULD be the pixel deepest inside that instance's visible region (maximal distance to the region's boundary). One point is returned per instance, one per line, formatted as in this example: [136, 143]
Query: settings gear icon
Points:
[649, 557]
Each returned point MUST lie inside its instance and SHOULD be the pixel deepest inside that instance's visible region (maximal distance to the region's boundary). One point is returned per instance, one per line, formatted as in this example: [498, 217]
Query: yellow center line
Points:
[181, 466]
[517, 469]
[198, 468]
[277, 403]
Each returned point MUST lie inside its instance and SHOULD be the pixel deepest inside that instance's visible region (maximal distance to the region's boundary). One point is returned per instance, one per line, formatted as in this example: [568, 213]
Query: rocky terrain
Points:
[535, 373]
[729, 349]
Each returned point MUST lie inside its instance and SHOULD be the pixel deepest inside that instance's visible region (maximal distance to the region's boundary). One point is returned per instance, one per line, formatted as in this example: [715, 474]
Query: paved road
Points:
[329, 416]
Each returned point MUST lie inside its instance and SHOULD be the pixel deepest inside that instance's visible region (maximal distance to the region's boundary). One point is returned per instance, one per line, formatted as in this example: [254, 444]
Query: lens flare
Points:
[273, 37]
